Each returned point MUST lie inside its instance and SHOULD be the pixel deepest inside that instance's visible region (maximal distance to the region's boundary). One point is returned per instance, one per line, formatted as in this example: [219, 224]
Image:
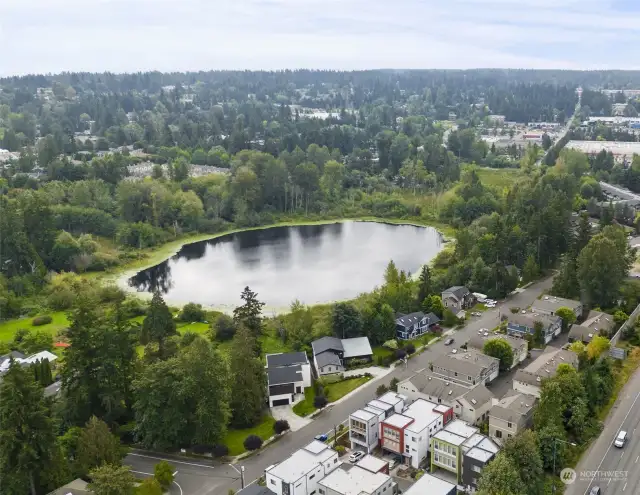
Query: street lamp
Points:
[553, 487]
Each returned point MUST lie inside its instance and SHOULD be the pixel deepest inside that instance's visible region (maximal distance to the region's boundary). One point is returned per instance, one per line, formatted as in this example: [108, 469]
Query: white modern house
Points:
[356, 481]
[288, 374]
[365, 424]
[301, 472]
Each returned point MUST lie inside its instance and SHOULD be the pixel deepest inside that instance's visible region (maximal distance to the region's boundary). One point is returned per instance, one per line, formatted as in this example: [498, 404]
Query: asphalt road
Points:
[204, 478]
[614, 470]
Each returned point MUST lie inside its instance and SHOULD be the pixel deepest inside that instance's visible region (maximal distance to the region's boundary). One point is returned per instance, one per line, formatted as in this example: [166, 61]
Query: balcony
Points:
[358, 437]
[391, 445]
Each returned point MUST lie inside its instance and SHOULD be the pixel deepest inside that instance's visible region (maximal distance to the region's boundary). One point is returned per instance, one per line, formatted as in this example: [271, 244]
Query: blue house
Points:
[414, 324]
[519, 325]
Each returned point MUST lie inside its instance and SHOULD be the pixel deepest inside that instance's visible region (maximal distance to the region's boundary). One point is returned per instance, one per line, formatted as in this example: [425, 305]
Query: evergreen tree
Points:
[530, 271]
[158, 326]
[97, 446]
[424, 285]
[111, 479]
[584, 233]
[248, 397]
[250, 313]
[27, 435]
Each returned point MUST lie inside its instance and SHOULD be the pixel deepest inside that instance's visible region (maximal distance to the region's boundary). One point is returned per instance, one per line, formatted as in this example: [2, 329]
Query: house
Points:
[75, 487]
[356, 481]
[462, 450]
[299, 473]
[511, 414]
[529, 380]
[520, 325]
[429, 484]
[374, 464]
[364, 430]
[519, 346]
[18, 357]
[469, 403]
[467, 368]
[408, 434]
[596, 323]
[331, 355]
[548, 305]
[288, 374]
[457, 298]
[415, 324]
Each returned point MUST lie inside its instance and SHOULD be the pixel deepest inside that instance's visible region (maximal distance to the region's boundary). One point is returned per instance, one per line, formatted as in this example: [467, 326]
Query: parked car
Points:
[448, 342]
[476, 313]
[356, 456]
[621, 439]
[486, 334]
[595, 491]
[454, 351]
[322, 438]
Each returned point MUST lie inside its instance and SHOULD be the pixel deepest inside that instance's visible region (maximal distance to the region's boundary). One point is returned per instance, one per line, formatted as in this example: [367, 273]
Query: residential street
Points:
[203, 478]
[619, 469]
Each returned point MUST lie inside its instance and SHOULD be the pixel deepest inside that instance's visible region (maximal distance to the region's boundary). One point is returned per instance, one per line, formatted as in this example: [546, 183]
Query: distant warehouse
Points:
[622, 151]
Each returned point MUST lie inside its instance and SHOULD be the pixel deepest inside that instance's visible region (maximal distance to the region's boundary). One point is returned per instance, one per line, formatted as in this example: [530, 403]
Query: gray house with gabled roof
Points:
[415, 324]
[288, 374]
[457, 298]
[330, 354]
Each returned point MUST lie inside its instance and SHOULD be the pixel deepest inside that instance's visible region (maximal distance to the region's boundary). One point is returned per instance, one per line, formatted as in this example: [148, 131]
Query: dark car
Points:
[448, 342]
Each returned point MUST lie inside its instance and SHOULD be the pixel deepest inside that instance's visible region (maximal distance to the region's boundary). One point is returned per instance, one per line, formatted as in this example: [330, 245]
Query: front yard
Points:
[332, 391]
[234, 439]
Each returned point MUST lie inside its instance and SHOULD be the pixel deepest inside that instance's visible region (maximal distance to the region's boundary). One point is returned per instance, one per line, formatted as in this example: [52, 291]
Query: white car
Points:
[486, 334]
[356, 456]
[454, 351]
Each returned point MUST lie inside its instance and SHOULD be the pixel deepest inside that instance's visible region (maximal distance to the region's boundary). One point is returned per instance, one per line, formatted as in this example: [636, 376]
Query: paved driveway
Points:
[286, 412]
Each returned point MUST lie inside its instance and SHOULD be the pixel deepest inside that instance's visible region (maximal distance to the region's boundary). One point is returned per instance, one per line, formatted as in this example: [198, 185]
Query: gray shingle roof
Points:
[435, 386]
[513, 407]
[357, 346]
[326, 343]
[286, 359]
[529, 319]
[288, 374]
[410, 319]
[477, 341]
[328, 358]
[457, 291]
[479, 395]
[552, 303]
[462, 367]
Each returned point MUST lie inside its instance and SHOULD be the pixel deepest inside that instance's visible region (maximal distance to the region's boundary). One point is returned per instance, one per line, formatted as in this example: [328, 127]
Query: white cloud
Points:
[131, 35]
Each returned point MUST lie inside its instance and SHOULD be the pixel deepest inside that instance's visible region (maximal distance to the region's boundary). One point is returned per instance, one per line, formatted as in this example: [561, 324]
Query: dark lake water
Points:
[311, 263]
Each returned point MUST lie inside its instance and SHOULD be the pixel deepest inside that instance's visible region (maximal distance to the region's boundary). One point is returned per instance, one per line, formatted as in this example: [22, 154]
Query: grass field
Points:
[234, 439]
[306, 407]
[9, 328]
[499, 177]
[338, 390]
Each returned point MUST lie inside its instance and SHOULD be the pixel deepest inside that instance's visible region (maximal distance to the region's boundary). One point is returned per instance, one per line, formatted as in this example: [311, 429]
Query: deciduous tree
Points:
[112, 480]
[500, 349]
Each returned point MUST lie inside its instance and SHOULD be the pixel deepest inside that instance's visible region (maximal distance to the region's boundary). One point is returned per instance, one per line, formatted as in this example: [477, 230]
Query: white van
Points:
[621, 439]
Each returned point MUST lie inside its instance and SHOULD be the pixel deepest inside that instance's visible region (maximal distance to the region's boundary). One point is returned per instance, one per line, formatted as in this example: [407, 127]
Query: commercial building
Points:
[622, 151]
[549, 305]
[510, 415]
[466, 368]
[409, 434]
[529, 380]
[300, 473]
[462, 450]
[519, 346]
[356, 481]
[469, 403]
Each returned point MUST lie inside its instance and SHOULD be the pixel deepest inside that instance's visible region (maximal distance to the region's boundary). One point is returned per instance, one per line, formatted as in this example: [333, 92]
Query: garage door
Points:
[280, 402]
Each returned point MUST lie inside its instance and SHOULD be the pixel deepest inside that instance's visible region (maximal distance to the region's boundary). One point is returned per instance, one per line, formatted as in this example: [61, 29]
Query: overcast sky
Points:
[39, 36]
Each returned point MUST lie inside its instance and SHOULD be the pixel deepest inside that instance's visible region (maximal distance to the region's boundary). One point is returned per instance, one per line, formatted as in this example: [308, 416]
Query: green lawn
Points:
[381, 352]
[499, 177]
[9, 328]
[338, 390]
[234, 439]
[306, 407]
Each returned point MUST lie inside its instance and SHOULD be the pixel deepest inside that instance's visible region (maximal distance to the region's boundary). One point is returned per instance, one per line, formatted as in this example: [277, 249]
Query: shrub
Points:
[252, 442]
[391, 344]
[514, 310]
[340, 449]
[394, 384]
[381, 390]
[201, 449]
[320, 401]
[220, 450]
[163, 474]
[280, 426]
[192, 312]
[410, 348]
[111, 294]
[149, 486]
[401, 354]
[41, 320]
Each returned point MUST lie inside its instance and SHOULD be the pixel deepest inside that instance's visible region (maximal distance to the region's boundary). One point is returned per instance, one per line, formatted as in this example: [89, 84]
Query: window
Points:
[406, 449]
[312, 476]
[508, 435]
[509, 425]
[320, 491]
[439, 400]
[312, 492]
[477, 469]
[273, 482]
[498, 434]
[413, 439]
[455, 373]
[335, 461]
[329, 368]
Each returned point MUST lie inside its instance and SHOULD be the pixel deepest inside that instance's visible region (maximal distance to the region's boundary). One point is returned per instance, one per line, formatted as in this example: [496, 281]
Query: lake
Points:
[311, 263]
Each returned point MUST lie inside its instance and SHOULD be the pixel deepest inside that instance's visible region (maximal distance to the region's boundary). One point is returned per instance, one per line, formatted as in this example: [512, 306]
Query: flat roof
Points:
[371, 463]
[398, 420]
[552, 303]
[615, 147]
[383, 406]
[354, 481]
[362, 414]
[422, 411]
[461, 428]
[392, 398]
[302, 461]
[373, 410]
[431, 485]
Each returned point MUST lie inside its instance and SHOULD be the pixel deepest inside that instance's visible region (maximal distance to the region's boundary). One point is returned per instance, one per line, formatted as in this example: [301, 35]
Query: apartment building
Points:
[300, 473]
[467, 368]
[365, 423]
[409, 434]
[529, 380]
[519, 346]
[549, 305]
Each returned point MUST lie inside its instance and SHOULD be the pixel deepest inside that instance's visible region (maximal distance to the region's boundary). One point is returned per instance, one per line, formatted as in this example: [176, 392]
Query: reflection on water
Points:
[312, 263]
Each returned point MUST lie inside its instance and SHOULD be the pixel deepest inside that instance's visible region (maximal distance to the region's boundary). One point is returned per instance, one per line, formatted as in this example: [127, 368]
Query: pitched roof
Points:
[529, 319]
[580, 332]
[513, 406]
[478, 395]
[464, 367]
[457, 291]
[286, 359]
[552, 303]
[473, 356]
[326, 344]
[546, 366]
[478, 341]
[357, 346]
[432, 319]
[410, 319]
[288, 374]
[435, 386]
[328, 358]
